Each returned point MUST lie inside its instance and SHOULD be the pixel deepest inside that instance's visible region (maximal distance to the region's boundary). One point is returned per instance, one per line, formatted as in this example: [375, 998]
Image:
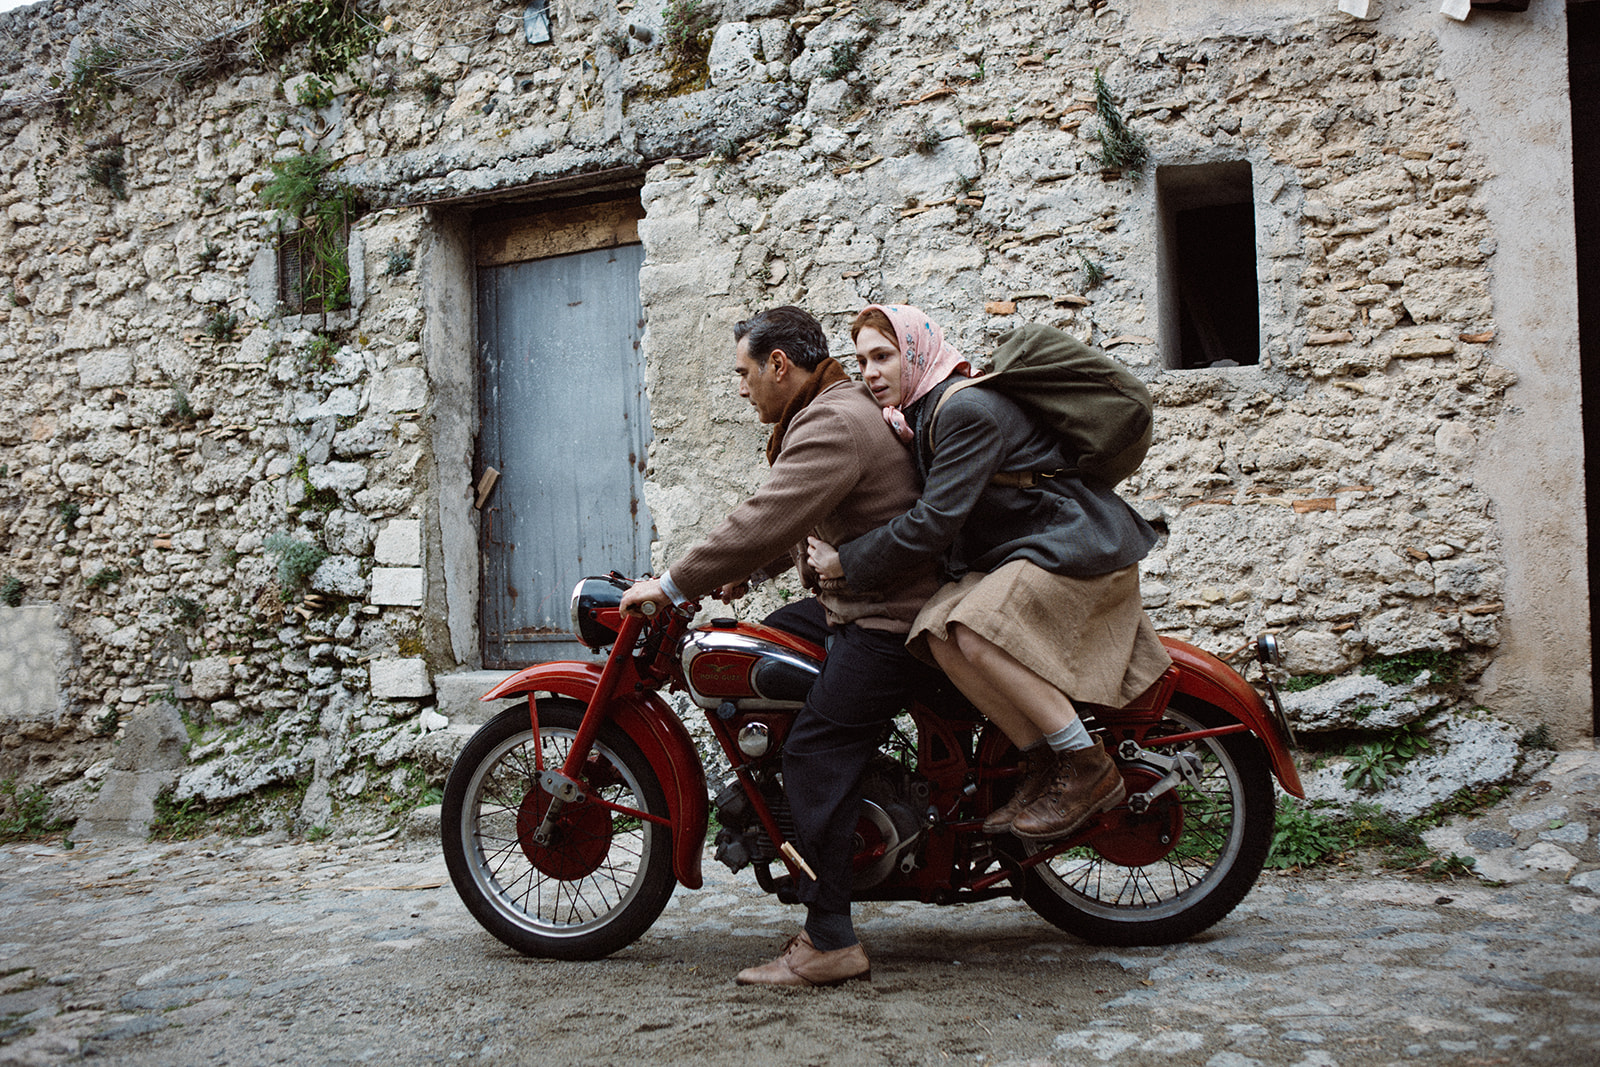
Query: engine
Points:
[895, 809]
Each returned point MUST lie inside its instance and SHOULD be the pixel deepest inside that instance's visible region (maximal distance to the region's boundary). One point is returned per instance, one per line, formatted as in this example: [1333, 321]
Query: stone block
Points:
[400, 389]
[399, 679]
[401, 586]
[341, 576]
[211, 678]
[400, 543]
[32, 648]
[459, 695]
[735, 51]
[97, 370]
[345, 477]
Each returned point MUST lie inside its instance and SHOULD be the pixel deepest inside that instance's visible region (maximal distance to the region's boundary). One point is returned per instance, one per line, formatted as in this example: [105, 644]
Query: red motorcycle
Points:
[567, 820]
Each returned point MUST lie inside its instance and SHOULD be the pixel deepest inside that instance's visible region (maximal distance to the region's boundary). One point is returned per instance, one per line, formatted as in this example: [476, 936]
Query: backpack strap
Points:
[1010, 479]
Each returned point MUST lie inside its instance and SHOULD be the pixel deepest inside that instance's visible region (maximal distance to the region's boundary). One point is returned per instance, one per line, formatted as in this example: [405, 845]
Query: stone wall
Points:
[164, 420]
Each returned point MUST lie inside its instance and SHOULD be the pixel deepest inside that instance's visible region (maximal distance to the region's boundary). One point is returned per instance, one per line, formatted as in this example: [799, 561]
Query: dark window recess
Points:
[1210, 311]
[306, 285]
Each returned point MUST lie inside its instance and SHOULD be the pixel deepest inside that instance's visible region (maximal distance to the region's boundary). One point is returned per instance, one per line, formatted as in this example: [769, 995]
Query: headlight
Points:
[590, 597]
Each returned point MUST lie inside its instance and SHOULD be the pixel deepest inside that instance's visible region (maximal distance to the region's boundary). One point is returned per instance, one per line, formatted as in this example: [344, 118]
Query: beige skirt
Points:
[1088, 637]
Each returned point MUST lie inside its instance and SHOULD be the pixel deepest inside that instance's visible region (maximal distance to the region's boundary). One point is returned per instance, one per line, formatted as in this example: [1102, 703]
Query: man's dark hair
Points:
[789, 328]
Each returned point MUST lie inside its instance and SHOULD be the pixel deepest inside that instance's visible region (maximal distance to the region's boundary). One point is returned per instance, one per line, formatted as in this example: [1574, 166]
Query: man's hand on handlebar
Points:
[645, 591]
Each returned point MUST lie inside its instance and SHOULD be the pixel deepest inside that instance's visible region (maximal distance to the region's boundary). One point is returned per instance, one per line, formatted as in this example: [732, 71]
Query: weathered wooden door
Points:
[564, 420]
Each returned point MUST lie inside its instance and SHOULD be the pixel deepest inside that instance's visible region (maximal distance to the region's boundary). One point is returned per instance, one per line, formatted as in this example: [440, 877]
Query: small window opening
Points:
[313, 275]
[1210, 311]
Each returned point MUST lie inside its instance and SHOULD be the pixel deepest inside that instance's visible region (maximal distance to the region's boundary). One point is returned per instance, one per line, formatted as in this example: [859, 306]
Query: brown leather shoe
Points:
[1040, 773]
[1087, 782]
[803, 964]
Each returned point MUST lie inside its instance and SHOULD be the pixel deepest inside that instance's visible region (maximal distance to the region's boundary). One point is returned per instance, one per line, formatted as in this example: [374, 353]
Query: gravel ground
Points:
[228, 951]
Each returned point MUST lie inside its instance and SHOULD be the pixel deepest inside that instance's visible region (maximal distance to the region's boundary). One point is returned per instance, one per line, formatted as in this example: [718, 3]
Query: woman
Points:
[1043, 604]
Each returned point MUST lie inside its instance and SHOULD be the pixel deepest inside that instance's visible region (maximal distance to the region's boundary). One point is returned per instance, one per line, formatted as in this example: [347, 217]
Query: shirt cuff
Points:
[670, 587]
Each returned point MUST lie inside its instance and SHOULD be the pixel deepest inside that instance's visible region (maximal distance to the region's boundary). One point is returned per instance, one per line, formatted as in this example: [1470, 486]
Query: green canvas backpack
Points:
[1101, 412]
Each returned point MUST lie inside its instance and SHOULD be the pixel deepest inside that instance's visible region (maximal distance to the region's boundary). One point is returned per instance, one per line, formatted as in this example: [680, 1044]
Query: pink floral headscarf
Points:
[929, 360]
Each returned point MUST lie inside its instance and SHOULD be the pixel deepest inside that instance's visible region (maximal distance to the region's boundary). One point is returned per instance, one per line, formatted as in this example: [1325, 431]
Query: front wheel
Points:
[605, 874]
[1166, 874]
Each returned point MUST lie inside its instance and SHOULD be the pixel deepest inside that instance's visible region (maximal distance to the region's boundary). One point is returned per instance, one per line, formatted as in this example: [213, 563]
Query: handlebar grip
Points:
[648, 608]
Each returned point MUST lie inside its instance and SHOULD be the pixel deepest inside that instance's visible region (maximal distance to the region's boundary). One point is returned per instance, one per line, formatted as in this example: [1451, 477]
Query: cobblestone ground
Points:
[271, 951]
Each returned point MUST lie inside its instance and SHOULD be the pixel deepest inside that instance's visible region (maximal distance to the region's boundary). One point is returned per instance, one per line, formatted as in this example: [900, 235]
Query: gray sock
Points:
[1070, 738]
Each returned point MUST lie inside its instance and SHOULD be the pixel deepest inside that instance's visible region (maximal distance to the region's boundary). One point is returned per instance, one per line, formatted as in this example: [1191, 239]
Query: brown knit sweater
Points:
[839, 473]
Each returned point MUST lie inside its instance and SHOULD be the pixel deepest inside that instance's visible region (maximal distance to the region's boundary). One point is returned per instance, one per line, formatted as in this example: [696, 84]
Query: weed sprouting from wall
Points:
[222, 326]
[104, 578]
[11, 591]
[91, 85]
[315, 94]
[181, 413]
[1093, 273]
[24, 813]
[842, 59]
[297, 561]
[1444, 668]
[686, 39]
[185, 612]
[1121, 147]
[107, 168]
[334, 32]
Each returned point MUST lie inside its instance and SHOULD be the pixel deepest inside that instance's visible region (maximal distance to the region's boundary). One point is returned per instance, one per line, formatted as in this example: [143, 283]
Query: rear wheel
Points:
[604, 876]
[1166, 874]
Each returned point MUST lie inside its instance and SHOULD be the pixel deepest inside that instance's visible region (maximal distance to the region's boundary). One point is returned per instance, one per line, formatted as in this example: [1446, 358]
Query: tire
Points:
[1166, 875]
[602, 880]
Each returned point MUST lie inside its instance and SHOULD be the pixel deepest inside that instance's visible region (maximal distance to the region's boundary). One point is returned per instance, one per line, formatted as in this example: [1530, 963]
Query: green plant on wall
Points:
[1374, 763]
[297, 561]
[11, 591]
[1093, 273]
[1121, 147]
[315, 93]
[185, 612]
[107, 168]
[843, 57]
[686, 28]
[222, 326]
[334, 32]
[104, 578]
[1444, 668]
[319, 355]
[182, 412]
[91, 85]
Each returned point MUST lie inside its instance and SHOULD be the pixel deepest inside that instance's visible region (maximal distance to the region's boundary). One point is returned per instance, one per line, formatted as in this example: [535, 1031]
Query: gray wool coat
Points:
[1062, 524]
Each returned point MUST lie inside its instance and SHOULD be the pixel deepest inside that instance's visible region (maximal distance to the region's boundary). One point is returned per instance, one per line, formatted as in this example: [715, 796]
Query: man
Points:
[837, 472]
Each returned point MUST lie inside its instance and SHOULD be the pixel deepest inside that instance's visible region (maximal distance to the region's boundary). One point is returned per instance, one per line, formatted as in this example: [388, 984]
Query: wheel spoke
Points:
[1206, 842]
[542, 899]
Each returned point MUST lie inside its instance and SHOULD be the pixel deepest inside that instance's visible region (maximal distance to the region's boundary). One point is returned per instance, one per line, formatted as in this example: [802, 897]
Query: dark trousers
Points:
[866, 681]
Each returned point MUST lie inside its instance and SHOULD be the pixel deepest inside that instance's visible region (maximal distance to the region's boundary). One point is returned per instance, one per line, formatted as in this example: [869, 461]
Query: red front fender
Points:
[651, 725]
[1205, 677]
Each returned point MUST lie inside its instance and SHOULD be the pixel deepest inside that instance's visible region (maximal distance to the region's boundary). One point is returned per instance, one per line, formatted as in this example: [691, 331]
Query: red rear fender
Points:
[650, 723]
[1205, 677]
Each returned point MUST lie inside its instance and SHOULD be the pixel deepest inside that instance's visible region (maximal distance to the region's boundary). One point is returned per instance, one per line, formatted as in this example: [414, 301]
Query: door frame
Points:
[448, 285]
